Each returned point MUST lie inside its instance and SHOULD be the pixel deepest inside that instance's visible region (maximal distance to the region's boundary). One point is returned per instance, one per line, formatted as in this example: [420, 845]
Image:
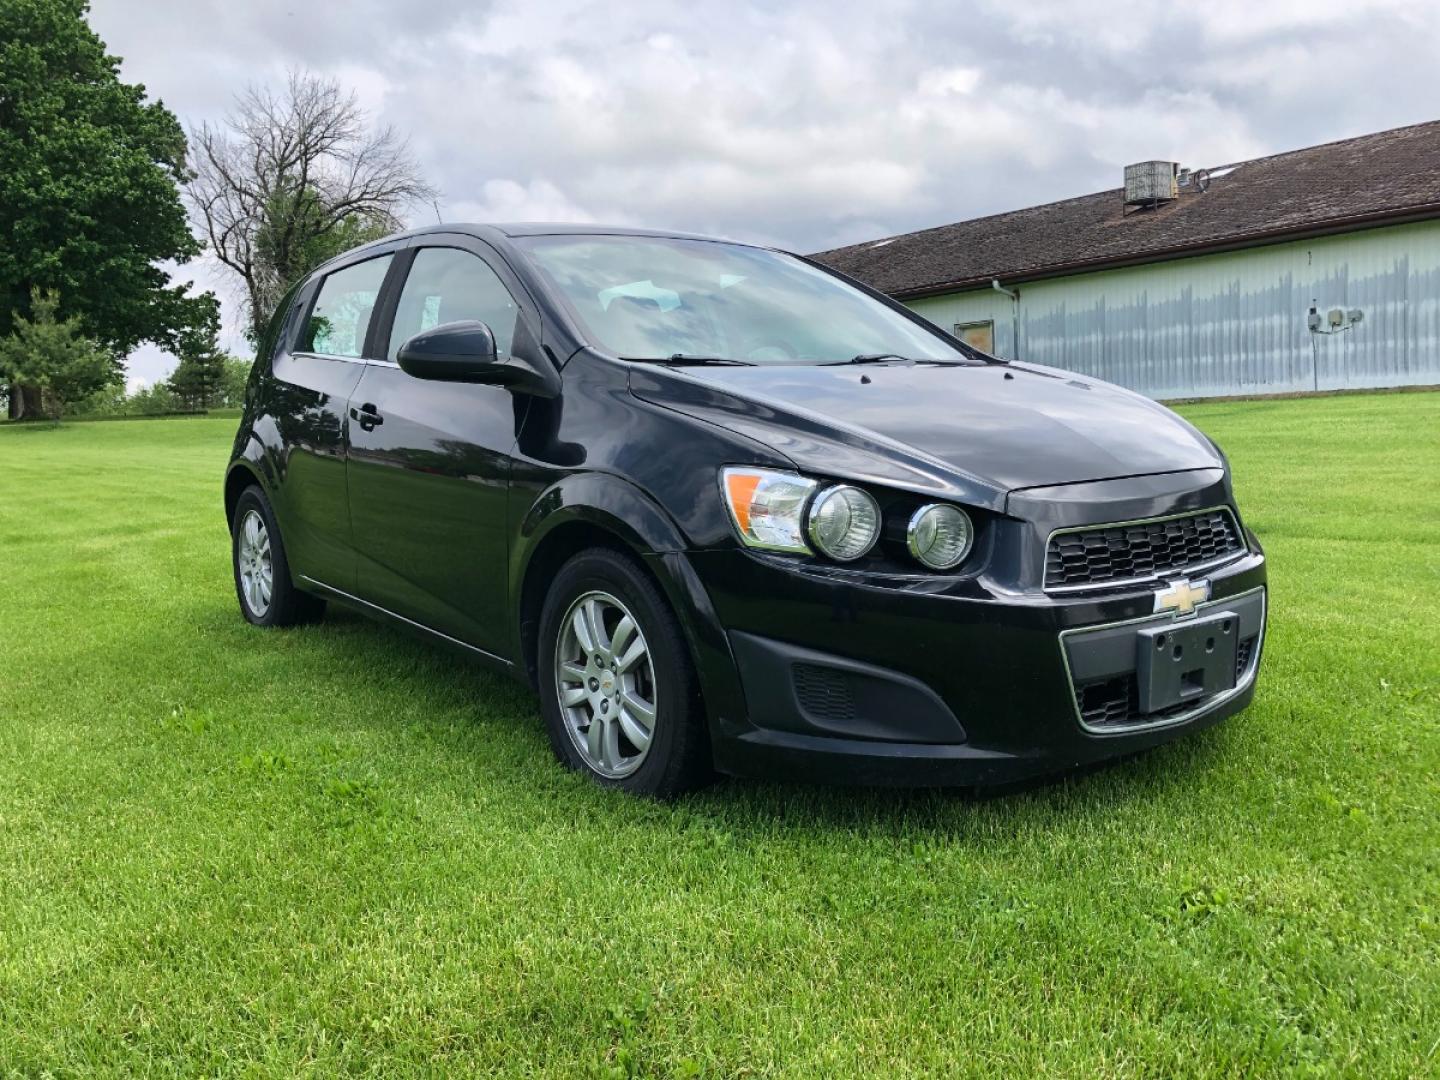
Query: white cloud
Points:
[510, 200]
[811, 123]
[940, 82]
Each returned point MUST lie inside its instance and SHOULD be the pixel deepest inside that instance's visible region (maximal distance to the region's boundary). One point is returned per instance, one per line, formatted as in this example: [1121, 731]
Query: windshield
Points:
[654, 298]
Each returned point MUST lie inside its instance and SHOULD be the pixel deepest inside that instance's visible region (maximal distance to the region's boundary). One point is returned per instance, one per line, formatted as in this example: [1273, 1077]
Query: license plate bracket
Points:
[1185, 661]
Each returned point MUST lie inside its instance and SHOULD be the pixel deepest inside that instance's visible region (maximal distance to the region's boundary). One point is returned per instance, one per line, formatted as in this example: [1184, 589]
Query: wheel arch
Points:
[252, 461]
[584, 511]
[558, 547]
[600, 510]
[241, 475]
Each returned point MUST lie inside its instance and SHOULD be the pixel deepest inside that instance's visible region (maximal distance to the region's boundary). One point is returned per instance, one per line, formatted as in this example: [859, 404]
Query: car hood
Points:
[961, 429]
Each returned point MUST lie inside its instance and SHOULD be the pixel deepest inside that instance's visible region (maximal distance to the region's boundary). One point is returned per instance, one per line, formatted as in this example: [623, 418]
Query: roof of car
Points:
[497, 231]
[1373, 179]
[553, 228]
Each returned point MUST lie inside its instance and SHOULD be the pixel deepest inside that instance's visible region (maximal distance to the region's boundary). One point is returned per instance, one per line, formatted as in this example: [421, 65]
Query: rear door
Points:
[429, 463]
[315, 372]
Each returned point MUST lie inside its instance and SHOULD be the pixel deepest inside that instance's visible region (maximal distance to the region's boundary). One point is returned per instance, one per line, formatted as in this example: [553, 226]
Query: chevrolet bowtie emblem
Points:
[1182, 596]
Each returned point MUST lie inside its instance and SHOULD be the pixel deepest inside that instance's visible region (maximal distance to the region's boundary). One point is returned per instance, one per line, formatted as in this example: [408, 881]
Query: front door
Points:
[429, 462]
[315, 376]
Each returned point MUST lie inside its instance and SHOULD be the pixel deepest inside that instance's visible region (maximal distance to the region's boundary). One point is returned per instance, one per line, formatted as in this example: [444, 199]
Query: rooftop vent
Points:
[1150, 183]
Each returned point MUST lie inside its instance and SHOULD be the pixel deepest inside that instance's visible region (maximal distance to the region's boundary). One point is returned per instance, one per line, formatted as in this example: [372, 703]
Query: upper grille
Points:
[1140, 550]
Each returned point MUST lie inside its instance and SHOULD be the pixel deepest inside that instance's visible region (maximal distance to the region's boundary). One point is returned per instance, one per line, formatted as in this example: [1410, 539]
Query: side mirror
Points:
[465, 352]
[452, 352]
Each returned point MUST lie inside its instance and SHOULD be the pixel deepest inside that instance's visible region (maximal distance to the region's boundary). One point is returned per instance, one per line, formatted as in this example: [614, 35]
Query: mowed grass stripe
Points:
[234, 852]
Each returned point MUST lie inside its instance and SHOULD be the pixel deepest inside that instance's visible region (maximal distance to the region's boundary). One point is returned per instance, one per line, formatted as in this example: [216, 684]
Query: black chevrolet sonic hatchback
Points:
[727, 509]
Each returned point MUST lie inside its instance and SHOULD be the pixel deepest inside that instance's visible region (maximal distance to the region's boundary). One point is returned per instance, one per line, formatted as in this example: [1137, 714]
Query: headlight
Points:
[768, 507]
[844, 522]
[940, 536]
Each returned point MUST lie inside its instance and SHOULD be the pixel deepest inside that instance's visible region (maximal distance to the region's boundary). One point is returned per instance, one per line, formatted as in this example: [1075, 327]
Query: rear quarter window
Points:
[340, 316]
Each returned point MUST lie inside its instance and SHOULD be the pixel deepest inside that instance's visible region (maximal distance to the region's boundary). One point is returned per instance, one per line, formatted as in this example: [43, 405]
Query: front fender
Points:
[601, 499]
[624, 511]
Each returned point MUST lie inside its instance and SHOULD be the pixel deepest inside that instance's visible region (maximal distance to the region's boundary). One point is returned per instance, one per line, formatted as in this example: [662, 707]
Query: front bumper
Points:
[829, 677]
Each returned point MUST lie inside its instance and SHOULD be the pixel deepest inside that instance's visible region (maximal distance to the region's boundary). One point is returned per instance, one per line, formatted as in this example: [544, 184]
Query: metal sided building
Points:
[1317, 269]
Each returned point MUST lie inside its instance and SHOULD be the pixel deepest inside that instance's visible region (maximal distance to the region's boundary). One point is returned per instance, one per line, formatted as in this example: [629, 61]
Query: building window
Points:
[978, 335]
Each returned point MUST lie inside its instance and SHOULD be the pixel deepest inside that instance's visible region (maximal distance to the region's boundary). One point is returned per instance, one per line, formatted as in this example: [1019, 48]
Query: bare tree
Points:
[289, 180]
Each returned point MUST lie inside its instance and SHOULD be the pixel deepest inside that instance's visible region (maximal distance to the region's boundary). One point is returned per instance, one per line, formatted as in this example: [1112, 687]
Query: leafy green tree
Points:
[89, 187]
[115, 400]
[153, 401]
[232, 388]
[53, 357]
[109, 400]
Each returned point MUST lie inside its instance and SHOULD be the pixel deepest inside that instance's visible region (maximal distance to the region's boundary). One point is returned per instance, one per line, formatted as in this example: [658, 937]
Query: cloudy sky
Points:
[805, 125]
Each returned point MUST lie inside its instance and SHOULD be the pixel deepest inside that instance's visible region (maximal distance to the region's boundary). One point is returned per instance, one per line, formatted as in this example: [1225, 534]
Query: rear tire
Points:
[617, 686]
[262, 574]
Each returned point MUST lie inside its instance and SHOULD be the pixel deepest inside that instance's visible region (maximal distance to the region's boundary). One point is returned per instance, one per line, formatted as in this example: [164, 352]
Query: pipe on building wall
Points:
[1014, 295]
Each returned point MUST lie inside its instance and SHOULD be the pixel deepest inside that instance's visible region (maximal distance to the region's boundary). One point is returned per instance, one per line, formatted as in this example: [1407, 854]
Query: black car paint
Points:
[445, 507]
[967, 433]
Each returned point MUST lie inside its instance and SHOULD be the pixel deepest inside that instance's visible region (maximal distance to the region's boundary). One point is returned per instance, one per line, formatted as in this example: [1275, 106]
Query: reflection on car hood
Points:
[995, 427]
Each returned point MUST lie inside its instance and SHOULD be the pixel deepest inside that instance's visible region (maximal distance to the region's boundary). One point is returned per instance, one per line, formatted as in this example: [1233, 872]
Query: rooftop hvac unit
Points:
[1151, 182]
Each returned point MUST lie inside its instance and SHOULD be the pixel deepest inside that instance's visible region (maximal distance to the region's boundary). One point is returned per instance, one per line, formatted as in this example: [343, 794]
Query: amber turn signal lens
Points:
[767, 507]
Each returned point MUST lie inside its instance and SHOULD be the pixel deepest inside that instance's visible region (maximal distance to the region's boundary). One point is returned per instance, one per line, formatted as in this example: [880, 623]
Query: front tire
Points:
[262, 575]
[617, 687]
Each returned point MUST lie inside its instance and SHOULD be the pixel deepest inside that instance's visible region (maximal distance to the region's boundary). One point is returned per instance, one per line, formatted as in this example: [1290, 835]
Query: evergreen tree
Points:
[52, 358]
[199, 378]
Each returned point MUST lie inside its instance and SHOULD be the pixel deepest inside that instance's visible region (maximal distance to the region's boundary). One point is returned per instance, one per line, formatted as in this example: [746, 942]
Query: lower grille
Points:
[824, 692]
[1140, 550]
[1243, 651]
[1115, 703]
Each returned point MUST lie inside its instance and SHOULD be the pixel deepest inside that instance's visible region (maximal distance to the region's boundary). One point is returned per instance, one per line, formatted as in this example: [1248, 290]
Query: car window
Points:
[341, 313]
[449, 285]
[283, 322]
[643, 297]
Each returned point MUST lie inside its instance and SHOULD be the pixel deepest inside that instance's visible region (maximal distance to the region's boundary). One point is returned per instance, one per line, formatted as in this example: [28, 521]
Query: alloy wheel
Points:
[605, 681]
[254, 564]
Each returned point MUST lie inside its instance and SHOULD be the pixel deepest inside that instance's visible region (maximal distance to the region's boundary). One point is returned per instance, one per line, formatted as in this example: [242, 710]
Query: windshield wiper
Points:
[680, 359]
[880, 358]
[867, 358]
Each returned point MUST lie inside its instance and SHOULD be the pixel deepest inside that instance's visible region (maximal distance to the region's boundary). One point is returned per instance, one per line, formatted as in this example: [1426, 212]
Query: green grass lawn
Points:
[230, 851]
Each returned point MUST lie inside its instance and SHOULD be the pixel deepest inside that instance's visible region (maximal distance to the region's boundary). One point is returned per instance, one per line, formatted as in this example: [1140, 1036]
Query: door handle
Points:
[366, 416]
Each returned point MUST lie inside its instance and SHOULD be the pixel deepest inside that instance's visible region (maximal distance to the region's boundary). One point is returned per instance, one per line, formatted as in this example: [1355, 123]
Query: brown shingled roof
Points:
[1372, 179]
